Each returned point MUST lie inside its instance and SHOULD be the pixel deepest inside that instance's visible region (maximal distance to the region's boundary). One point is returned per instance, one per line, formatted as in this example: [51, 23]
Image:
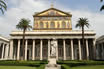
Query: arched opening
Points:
[63, 24]
[41, 25]
[52, 25]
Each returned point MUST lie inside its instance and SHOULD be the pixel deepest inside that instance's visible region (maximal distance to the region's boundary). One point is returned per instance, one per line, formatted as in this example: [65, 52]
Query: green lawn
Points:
[89, 67]
[21, 67]
[17, 67]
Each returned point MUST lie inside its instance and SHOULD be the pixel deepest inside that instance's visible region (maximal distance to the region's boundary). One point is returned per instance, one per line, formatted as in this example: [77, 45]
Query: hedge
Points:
[63, 66]
[22, 63]
[80, 63]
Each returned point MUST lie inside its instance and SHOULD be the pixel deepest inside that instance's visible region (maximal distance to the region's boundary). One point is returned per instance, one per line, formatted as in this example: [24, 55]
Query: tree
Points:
[82, 22]
[3, 6]
[24, 25]
[102, 8]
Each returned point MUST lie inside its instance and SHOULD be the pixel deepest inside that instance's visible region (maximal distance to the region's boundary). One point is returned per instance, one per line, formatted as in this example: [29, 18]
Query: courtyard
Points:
[41, 64]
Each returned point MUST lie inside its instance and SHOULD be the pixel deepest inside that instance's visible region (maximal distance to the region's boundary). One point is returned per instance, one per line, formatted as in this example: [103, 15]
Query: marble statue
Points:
[53, 48]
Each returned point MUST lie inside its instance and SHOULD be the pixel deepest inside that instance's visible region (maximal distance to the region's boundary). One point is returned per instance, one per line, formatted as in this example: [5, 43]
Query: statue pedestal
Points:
[52, 61]
[52, 64]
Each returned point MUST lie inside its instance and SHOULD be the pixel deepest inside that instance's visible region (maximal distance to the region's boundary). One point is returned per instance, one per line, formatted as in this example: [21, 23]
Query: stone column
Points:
[26, 49]
[57, 50]
[80, 54]
[41, 46]
[33, 50]
[72, 51]
[64, 49]
[0, 43]
[87, 50]
[3, 51]
[6, 51]
[102, 50]
[11, 49]
[97, 53]
[18, 50]
[48, 48]
[94, 49]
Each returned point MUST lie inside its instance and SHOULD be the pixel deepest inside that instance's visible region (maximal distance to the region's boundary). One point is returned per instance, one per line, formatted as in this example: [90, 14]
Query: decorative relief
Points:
[52, 13]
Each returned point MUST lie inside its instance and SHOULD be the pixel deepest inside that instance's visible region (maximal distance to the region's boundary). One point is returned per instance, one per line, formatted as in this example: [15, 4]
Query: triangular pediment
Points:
[52, 12]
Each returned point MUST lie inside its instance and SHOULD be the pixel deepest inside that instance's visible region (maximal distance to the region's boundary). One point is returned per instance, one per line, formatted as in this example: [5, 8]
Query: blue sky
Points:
[77, 4]
[18, 9]
[93, 5]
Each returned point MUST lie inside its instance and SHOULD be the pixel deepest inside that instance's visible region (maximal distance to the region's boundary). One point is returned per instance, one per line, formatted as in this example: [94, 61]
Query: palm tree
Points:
[24, 25]
[102, 8]
[82, 22]
[3, 6]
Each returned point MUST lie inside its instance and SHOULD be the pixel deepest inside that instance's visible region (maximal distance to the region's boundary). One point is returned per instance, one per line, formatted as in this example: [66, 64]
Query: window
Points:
[58, 24]
[47, 25]
[36, 25]
[52, 25]
[41, 25]
[68, 24]
[63, 24]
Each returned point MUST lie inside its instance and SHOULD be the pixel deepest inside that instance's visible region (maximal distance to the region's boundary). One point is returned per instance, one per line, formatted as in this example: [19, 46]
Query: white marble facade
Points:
[38, 45]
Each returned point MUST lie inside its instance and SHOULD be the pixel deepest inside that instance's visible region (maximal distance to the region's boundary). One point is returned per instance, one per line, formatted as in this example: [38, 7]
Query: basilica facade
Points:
[52, 25]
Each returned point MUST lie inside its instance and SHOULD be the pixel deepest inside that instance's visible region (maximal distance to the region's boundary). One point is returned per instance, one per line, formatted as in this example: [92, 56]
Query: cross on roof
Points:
[52, 3]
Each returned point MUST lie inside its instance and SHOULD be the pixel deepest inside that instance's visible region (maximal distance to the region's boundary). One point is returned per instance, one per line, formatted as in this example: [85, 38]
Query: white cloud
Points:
[26, 8]
[20, 9]
[96, 20]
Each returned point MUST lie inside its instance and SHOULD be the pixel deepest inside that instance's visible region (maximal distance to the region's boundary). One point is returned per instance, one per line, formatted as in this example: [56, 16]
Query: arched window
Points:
[47, 25]
[41, 25]
[58, 24]
[52, 25]
[68, 24]
[63, 24]
[36, 25]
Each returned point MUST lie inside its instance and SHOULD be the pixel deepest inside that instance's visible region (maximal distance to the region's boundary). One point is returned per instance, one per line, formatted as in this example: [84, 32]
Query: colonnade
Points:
[100, 51]
[4, 50]
[71, 42]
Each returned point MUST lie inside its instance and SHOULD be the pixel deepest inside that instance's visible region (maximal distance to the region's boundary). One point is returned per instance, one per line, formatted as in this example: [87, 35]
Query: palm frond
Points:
[101, 0]
[82, 22]
[24, 24]
[3, 6]
[2, 10]
[3, 2]
[102, 8]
